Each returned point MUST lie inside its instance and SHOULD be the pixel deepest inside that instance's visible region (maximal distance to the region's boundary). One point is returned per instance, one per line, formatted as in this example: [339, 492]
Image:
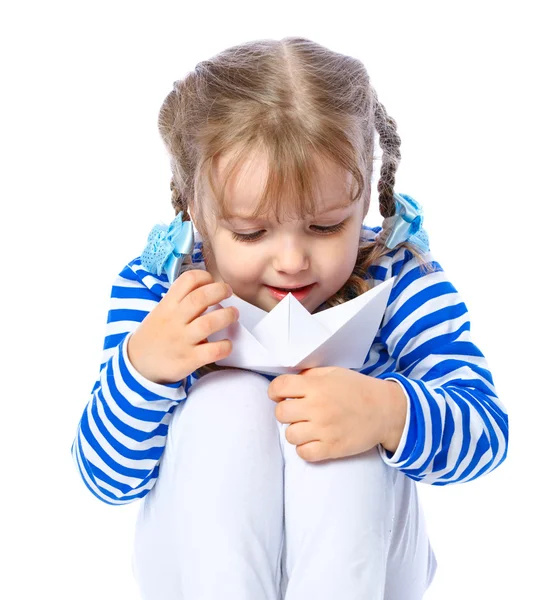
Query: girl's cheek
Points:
[237, 266]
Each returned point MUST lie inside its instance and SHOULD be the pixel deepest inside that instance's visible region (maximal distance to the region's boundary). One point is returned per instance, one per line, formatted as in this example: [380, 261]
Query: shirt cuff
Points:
[396, 459]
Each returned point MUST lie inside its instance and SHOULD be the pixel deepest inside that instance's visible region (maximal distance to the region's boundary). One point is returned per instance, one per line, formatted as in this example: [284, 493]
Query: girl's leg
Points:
[212, 526]
[353, 530]
[411, 564]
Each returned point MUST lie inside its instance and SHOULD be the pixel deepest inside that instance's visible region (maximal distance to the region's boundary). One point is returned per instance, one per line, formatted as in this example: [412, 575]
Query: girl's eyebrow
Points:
[242, 217]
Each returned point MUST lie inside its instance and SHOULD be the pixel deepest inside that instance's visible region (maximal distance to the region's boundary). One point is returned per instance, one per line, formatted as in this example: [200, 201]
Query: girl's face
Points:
[289, 253]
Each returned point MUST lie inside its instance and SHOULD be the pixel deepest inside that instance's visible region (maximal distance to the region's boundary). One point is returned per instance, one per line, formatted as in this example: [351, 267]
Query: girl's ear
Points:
[194, 216]
[197, 220]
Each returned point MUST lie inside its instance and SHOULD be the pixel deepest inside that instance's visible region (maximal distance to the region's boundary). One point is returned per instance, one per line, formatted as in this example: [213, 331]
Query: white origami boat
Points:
[289, 338]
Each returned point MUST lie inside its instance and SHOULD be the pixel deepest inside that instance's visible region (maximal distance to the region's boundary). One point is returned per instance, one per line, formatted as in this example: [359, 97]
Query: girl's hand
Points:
[171, 343]
[334, 412]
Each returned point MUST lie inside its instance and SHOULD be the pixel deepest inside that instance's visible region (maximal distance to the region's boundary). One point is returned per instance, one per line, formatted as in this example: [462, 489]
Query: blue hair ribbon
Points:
[406, 224]
[167, 247]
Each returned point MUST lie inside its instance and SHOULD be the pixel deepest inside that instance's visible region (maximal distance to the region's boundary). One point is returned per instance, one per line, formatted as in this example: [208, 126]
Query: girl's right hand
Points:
[171, 343]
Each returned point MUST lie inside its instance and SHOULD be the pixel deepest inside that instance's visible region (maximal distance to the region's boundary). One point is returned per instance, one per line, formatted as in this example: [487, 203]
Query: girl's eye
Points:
[246, 237]
[250, 237]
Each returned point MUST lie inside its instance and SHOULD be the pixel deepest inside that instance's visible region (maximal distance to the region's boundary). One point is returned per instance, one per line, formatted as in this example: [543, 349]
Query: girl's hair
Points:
[298, 102]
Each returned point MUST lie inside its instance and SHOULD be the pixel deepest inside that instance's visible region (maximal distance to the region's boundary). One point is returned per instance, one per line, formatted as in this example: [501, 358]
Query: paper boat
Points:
[289, 338]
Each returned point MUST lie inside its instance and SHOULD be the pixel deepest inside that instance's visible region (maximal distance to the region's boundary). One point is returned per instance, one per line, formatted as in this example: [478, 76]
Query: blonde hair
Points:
[297, 101]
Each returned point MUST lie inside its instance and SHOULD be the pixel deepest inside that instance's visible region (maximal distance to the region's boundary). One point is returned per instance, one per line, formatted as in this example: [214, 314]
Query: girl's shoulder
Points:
[141, 283]
[397, 261]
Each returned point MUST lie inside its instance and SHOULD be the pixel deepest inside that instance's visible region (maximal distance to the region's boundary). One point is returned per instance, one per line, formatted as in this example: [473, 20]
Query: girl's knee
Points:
[226, 407]
[232, 389]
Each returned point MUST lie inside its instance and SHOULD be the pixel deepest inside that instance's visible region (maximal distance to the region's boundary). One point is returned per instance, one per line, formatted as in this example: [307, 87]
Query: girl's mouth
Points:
[298, 293]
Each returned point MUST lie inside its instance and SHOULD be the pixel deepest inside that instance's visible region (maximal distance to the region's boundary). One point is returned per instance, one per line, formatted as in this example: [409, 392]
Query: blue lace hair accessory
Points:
[406, 224]
[167, 247]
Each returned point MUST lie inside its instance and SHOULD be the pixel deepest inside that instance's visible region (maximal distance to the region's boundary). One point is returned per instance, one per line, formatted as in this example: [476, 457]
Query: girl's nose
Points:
[291, 259]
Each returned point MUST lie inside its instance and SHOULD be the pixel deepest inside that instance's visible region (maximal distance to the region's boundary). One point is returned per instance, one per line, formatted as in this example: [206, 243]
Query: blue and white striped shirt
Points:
[456, 427]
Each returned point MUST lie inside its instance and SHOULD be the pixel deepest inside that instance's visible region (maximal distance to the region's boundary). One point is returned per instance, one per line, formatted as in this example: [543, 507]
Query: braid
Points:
[370, 252]
[390, 142]
[177, 201]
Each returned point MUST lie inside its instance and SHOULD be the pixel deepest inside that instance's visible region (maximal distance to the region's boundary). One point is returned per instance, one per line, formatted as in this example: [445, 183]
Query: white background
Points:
[473, 88]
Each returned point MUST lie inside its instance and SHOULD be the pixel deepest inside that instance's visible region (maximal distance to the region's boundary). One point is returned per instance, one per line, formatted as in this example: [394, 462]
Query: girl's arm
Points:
[456, 427]
[122, 432]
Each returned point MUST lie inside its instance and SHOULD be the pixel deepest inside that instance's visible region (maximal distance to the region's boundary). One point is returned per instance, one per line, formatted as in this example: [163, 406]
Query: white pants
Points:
[236, 514]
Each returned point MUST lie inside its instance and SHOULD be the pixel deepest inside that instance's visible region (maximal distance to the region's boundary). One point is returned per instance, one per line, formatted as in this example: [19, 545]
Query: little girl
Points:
[303, 485]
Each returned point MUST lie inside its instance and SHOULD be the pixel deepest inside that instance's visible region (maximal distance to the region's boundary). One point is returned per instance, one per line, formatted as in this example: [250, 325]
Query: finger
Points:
[187, 282]
[317, 371]
[301, 433]
[203, 297]
[313, 452]
[211, 352]
[202, 327]
[291, 410]
[286, 386]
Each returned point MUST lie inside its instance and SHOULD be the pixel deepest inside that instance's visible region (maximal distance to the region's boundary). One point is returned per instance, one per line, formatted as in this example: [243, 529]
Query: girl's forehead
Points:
[244, 189]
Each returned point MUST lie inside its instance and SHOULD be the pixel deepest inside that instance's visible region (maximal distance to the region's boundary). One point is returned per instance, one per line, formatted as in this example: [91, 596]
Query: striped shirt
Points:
[456, 427]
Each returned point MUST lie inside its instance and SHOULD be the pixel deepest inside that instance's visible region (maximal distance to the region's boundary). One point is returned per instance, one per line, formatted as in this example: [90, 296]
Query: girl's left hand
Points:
[333, 411]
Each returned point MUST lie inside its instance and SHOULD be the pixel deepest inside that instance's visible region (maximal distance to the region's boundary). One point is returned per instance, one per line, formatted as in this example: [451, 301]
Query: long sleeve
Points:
[456, 427]
[123, 429]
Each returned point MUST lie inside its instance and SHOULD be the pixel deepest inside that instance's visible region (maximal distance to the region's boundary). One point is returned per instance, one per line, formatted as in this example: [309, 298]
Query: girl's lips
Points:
[298, 294]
